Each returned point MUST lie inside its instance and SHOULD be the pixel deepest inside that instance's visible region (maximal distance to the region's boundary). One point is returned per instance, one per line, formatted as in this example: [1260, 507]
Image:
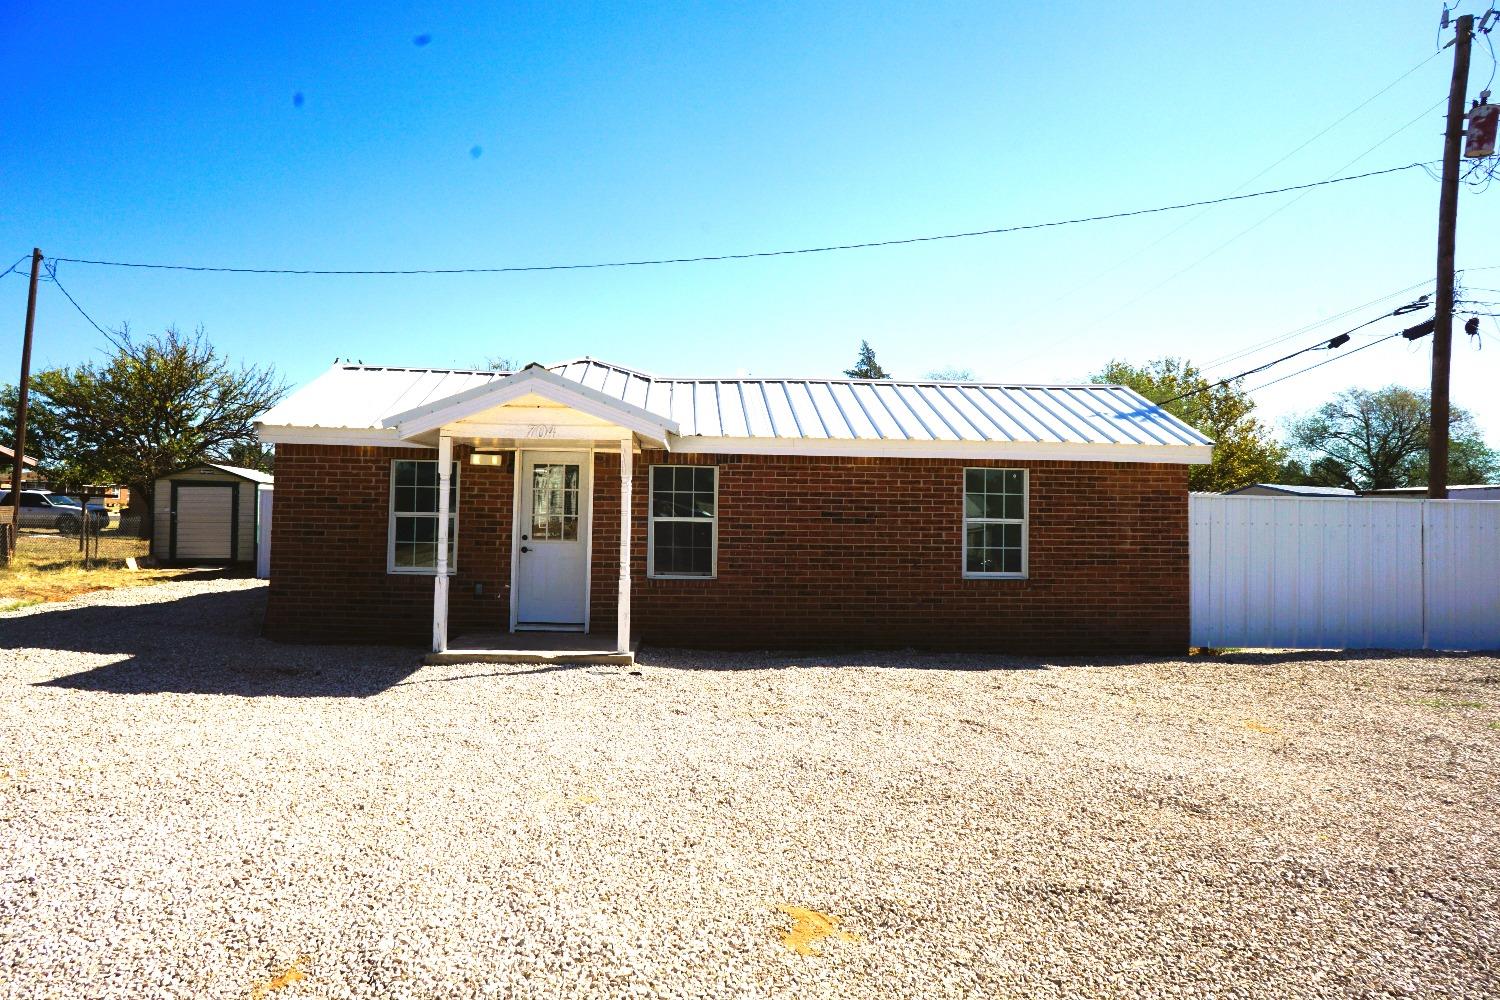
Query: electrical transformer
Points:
[1480, 141]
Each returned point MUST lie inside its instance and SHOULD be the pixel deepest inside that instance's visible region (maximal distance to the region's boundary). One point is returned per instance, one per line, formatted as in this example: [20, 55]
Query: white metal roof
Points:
[238, 471]
[363, 397]
[254, 475]
[1310, 491]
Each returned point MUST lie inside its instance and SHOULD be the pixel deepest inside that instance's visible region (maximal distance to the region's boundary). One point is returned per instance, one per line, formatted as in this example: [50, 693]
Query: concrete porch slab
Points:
[534, 647]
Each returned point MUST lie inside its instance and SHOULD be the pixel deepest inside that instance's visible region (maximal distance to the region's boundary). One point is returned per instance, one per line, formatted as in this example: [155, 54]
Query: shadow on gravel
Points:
[204, 644]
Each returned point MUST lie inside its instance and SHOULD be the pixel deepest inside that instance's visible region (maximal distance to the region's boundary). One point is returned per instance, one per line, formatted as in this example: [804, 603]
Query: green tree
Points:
[1244, 450]
[1470, 461]
[154, 406]
[1381, 437]
[952, 373]
[866, 366]
[1323, 471]
[43, 439]
[247, 455]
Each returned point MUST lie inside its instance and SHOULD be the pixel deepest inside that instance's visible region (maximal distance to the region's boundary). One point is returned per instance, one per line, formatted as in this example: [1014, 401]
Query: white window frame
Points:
[1024, 522]
[390, 528]
[651, 519]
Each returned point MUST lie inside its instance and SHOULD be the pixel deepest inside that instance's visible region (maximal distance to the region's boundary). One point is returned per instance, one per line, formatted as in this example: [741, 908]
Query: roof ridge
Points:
[889, 381]
[362, 367]
[650, 377]
[588, 360]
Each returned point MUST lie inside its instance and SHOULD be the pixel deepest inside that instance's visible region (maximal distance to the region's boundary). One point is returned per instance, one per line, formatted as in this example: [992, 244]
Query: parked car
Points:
[97, 511]
[44, 509]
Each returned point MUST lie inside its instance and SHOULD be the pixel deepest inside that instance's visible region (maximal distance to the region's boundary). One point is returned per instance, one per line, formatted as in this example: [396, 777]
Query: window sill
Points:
[418, 572]
[681, 576]
[996, 576]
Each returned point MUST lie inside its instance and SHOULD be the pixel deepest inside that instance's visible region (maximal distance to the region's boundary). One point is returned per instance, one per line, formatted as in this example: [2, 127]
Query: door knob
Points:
[525, 549]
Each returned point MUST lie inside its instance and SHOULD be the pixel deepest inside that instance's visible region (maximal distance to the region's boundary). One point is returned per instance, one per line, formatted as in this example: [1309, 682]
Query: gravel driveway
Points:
[187, 810]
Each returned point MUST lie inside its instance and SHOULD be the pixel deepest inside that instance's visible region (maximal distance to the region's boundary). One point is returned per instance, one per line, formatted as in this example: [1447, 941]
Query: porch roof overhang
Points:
[431, 419]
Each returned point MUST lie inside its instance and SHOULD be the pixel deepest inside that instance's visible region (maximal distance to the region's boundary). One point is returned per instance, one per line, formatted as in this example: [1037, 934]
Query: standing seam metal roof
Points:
[351, 396]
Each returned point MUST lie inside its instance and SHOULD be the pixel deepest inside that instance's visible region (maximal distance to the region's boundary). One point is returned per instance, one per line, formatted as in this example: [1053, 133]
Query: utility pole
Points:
[1442, 332]
[21, 399]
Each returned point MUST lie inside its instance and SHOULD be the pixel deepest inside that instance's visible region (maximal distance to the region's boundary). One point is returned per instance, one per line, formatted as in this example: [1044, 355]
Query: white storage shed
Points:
[207, 513]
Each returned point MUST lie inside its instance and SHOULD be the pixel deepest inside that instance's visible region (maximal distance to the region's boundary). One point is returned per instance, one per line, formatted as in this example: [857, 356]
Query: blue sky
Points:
[533, 134]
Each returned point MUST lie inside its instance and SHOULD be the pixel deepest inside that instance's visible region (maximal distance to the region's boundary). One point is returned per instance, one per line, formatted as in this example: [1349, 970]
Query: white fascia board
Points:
[523, 435]
[531, 380]
[373, 437]
[1040, 451]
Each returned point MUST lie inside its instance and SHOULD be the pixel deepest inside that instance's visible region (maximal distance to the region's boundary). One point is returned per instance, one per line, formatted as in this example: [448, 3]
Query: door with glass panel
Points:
[552, 560]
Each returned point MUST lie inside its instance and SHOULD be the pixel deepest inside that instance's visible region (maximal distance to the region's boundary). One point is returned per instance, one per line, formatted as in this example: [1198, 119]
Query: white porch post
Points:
[440, 583]
[627, 460]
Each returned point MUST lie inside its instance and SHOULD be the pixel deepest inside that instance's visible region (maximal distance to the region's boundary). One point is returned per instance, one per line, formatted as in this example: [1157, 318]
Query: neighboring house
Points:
[1283, 490]
[761, 512]
[1482, 491]
[206, 513]
[114, 498]
[8, 465]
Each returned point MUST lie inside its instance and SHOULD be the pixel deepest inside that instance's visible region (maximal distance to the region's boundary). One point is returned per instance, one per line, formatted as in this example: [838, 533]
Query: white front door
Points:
[552, 558]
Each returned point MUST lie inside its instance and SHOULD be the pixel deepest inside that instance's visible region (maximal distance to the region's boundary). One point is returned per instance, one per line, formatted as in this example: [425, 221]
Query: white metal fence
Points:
[1345, 573]
[264, 497]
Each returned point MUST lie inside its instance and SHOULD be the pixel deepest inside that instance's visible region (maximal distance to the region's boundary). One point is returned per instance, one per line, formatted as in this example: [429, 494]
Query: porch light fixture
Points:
[504, 459]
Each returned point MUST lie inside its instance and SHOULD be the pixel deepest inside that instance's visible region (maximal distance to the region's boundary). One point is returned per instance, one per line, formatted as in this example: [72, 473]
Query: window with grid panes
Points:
[412, 537]
[554, 501]
[684, 520]
[994, 522]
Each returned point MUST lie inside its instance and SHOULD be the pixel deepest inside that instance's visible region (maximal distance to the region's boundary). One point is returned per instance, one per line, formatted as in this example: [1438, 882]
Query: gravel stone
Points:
[189, 810]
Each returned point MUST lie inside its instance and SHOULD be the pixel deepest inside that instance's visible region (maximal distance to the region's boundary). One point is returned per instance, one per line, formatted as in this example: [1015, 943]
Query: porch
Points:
[547, 430]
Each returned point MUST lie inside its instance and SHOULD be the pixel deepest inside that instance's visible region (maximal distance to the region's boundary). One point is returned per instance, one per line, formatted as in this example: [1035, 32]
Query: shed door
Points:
[204, 522]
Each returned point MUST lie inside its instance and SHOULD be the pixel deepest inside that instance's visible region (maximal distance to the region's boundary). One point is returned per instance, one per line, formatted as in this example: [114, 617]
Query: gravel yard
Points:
[187, 810]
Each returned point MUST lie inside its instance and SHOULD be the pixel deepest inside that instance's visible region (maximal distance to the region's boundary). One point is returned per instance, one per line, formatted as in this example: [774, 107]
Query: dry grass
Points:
[49, 567]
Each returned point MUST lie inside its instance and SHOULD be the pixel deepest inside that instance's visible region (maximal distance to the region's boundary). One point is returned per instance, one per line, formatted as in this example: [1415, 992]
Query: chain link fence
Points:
[102, 538]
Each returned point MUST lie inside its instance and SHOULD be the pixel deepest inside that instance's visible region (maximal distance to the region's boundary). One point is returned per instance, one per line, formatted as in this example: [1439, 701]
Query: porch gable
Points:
[532, 403]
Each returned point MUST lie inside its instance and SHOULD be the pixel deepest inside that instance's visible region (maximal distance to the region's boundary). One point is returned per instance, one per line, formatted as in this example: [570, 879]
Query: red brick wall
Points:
[813, 552]
[328, 552]
[864, 552]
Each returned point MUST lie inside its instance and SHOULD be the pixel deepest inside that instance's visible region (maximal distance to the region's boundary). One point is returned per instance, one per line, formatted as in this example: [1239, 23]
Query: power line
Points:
[1323, 345]
[869, 244]
[1273, 213]
[1245, 352]
[1344, 117]
[1328, 128]
[1320, 364]
[1333, 343]
[1494, 63]
[51, 266]
[1099, 321]
[19, 260]
[1257, 176]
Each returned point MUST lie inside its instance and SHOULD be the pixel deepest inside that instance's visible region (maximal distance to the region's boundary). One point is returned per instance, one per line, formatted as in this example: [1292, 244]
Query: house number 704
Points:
[541, 431]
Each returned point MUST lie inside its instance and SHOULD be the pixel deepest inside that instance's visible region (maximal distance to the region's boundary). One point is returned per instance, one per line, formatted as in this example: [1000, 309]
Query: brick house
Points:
[417, 503]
